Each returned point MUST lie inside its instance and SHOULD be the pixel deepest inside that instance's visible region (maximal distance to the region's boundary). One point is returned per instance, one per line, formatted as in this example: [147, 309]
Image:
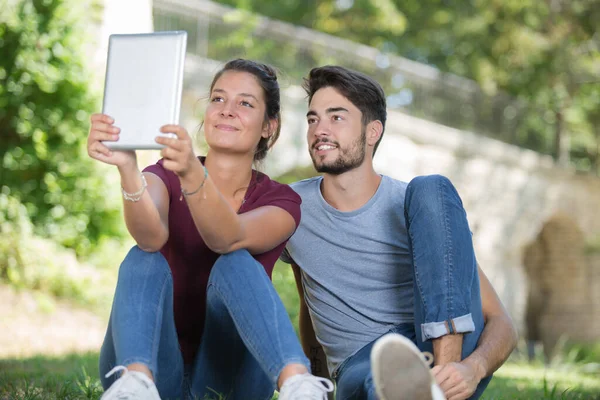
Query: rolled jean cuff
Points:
[434, 330]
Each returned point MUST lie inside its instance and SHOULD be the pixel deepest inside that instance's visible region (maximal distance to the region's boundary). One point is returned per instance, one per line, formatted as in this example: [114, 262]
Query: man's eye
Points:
[311, 121]
[337, 118]
[216, 99]
[246, 104]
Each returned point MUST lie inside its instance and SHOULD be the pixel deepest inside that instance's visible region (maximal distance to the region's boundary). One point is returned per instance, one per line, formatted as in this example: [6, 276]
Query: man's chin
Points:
[331, 169]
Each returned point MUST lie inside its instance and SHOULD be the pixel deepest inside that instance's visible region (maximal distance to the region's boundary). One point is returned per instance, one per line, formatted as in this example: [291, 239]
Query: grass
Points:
[76, 377]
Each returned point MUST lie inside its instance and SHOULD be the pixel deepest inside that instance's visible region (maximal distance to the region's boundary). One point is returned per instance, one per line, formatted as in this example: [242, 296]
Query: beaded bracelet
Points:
[186, 194]
[135, 197]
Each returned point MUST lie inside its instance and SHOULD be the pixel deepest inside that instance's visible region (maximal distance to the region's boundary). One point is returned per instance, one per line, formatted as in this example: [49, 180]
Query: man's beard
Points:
[348, 159]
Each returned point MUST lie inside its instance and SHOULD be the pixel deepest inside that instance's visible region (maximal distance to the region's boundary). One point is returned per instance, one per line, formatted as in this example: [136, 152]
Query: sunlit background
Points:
[501, 96]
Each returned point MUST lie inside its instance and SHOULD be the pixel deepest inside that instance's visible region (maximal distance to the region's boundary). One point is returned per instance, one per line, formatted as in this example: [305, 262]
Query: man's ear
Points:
[374, 132]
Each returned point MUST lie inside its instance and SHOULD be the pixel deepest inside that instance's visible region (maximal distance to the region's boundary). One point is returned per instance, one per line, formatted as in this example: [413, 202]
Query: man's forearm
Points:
[498, 340]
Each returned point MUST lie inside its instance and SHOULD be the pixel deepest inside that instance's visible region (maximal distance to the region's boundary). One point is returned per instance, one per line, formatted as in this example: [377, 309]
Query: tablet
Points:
[142, 90]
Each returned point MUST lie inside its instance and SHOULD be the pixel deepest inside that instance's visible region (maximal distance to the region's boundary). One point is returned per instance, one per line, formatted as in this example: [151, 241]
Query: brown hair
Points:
[267, 78]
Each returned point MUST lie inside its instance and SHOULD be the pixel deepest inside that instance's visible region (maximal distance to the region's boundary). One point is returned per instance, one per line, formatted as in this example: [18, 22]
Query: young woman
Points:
[195, 313]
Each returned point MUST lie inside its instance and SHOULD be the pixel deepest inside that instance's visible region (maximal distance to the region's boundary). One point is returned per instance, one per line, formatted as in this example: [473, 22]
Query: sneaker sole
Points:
[399, 371]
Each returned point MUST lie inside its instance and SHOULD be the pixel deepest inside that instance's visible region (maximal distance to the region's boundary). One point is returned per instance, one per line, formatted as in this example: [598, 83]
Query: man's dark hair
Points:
[362, 91]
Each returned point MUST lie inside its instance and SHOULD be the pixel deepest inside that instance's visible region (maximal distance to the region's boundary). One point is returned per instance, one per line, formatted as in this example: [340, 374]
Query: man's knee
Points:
[427, 186]
[430, 193]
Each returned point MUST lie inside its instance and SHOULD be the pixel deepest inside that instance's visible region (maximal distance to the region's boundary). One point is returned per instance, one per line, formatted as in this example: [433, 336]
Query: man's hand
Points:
[457, 380]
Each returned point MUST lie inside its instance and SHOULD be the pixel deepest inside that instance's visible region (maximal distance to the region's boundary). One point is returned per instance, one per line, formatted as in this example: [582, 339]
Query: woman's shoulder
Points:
[267, 188]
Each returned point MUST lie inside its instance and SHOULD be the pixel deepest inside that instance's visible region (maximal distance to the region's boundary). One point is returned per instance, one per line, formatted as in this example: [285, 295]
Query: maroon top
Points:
[191, 260]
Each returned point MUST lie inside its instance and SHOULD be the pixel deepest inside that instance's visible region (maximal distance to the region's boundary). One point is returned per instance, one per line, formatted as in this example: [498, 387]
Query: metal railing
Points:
[221, 33]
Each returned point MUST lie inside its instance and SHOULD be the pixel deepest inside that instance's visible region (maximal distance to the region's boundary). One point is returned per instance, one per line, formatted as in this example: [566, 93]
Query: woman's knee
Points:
[235, 263]
[140, 265]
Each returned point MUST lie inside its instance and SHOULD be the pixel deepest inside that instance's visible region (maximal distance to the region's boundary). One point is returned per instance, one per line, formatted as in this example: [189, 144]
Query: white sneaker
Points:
[132, 385]
[401, 371]
[305, 387]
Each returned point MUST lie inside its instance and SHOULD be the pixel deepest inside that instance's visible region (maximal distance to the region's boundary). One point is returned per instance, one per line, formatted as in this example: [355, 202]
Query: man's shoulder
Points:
[306, 187]
[394, 187]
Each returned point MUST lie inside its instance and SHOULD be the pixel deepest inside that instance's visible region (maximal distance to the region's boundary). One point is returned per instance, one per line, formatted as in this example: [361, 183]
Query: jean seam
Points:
[415, 269]
[448, 248]
[157, 325]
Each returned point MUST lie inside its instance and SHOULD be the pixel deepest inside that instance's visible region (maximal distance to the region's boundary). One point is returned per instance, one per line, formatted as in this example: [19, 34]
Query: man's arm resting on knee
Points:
[497, 341]
[312, 348]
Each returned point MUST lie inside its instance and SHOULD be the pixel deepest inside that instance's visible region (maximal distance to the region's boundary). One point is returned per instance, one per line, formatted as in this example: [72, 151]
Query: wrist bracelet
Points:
[134, 197]
[186, 194]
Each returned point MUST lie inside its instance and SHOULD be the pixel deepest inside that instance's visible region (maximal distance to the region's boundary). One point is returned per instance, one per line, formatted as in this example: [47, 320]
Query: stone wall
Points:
[511, 196]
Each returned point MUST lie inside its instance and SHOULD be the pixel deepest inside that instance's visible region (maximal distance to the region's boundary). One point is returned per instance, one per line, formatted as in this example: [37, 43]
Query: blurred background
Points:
[501, 96]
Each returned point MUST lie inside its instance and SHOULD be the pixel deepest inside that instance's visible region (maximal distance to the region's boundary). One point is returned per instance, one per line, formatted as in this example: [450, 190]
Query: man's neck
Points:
[351, 190]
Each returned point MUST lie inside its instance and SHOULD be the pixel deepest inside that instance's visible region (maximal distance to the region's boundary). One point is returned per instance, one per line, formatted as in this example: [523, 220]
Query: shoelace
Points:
[120, 392]
[318, 387]
[115, 370]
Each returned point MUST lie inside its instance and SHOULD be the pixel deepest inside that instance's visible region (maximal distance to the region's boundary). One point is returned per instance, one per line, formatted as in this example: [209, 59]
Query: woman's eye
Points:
[246, 104]
[216, 99]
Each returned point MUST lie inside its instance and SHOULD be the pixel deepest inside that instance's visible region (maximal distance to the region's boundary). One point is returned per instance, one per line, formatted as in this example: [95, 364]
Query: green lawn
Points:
[75, 377]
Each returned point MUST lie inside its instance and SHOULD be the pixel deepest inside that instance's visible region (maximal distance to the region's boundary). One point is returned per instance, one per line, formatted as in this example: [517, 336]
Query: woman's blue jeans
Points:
[447, 298]
[248, 337]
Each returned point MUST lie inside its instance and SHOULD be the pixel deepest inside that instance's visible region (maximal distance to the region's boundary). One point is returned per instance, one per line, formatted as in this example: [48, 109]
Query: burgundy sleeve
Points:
[285, 197]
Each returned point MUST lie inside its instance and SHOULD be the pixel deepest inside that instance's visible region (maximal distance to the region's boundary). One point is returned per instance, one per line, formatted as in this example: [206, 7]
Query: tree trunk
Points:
[561, 145]
[597, 158]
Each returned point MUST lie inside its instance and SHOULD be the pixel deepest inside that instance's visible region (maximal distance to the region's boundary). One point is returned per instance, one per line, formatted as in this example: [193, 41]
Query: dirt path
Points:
[32, 324]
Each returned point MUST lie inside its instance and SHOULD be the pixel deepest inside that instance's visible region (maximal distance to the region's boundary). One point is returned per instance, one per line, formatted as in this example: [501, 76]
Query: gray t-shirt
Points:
[356, 267]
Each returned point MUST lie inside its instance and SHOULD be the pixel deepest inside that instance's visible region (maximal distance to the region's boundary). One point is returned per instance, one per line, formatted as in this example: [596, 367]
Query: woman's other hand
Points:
[178, 153]
[103, 130]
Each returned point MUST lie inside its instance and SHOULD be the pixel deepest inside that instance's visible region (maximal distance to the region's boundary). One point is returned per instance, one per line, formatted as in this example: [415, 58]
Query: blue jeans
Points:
[247, 340]
[447, 298]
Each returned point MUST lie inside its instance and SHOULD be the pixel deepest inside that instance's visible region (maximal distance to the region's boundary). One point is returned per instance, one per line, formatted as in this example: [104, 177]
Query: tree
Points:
[45, 103]
[544, 53]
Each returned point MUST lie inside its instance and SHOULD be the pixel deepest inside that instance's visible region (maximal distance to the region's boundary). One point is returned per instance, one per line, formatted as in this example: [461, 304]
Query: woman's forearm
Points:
[142, 217]
[217, 222]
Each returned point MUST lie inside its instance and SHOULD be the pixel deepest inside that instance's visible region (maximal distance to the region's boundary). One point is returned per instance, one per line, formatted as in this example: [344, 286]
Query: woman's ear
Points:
[270, 128]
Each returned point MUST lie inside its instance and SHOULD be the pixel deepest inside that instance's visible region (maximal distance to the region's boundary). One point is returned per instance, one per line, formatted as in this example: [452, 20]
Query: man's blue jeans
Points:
[248, 337]
[446, 283]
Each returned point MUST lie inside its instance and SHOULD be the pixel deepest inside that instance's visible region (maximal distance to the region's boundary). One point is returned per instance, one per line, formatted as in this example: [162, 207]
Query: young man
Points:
[378, 262]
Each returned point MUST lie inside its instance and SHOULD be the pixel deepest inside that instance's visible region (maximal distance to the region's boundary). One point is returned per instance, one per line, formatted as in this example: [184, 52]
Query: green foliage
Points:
[297, 174]
[30, 262]
[544, 53]
[285, 285]
[45, 103]
[592, 245]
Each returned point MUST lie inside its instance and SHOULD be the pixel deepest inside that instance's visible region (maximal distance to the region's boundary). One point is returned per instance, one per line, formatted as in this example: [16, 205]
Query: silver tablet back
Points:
[142, 91]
